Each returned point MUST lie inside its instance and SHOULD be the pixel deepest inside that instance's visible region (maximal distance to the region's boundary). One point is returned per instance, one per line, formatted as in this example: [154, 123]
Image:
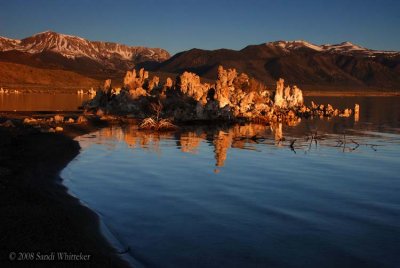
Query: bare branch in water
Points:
[292, 145]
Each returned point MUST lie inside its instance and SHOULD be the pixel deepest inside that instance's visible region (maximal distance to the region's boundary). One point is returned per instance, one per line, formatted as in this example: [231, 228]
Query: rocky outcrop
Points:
[134, 83]
[287, 97]
[356, 112]
[169, 83]
[232, 97]
[224, 86]
[189, 84]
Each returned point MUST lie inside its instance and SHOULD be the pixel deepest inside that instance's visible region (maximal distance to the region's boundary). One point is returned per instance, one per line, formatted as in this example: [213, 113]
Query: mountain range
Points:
[338, 66]
[91, 59]
[341, 66]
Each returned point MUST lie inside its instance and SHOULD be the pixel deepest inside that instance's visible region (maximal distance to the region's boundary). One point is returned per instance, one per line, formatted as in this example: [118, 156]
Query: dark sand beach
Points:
[38, 215]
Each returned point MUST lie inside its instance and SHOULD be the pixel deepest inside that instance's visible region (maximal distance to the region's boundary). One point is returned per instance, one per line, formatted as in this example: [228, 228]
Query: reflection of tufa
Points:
[225, 138]
[278, 133]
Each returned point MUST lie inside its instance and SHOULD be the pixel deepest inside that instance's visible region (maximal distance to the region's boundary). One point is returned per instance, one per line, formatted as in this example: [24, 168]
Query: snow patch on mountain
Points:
[290, 45]
[73, 47]
[342, 48]
[8, 43]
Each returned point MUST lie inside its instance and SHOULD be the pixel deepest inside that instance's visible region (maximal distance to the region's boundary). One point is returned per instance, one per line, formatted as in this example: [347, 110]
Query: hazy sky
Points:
[180, 25]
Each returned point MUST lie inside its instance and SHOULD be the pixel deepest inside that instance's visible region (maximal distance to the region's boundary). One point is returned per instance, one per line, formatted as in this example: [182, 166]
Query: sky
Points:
[178, 25]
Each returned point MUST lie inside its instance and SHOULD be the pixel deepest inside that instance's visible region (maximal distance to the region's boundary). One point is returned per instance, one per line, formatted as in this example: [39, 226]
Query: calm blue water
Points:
[242, 197]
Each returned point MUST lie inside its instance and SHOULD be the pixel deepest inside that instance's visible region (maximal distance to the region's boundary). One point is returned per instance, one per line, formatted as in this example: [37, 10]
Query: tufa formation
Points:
[233, 97]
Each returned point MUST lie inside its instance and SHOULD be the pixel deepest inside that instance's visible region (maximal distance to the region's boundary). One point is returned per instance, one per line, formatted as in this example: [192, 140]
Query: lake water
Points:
[41, 102]
[241, 196]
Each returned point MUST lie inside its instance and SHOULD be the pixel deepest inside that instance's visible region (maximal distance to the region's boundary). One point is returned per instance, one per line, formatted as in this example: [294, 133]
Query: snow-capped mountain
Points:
[299, 62]
[344, 65]
[73, 47]
[344, 48]
[8, 44]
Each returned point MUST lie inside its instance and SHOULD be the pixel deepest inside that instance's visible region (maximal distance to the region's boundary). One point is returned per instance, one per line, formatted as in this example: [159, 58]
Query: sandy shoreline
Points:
[38, 215]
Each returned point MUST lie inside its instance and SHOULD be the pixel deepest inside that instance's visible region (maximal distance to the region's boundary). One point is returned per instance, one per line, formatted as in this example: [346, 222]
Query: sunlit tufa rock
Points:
[30, 121]
[346, 113]
[154, 83]
[287, 97]
[81, 119]
[233, 96]
[278, 100]
[190, 85]
[58, 118]
[168, 83]
[224, 86]
[107, 86]
[356, 112]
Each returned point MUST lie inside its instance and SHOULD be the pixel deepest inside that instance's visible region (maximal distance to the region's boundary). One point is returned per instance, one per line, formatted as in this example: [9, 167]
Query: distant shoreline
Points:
[350, 93]
[307, 92]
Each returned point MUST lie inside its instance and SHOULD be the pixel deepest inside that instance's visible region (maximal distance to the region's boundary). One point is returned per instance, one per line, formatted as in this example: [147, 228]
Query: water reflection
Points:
[41, 102]
[376, 110]
[187, 140]
[345, 134]
[305, 137]
[190, 141]
[278, 134]
[303, 196]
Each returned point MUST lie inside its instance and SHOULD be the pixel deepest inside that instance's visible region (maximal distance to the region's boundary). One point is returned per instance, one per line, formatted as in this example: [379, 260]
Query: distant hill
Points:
[341, 66]
[94, 59]
[13, 75]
